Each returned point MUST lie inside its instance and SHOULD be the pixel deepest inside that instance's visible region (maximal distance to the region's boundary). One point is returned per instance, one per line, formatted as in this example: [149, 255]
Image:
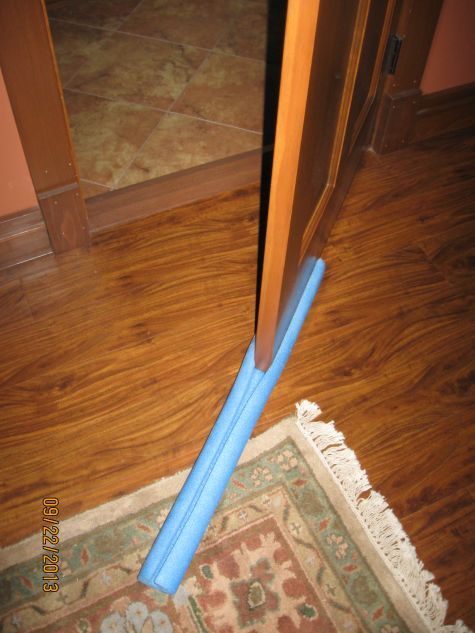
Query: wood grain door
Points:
[331, 68]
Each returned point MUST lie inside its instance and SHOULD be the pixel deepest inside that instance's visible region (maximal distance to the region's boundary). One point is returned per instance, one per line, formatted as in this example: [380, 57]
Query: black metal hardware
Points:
[391, 57]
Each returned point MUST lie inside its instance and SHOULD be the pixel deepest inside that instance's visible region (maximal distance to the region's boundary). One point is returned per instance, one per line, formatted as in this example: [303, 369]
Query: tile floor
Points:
[155, 86]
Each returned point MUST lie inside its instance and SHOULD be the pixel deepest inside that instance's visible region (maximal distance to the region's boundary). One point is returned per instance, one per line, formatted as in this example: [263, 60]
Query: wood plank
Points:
[31, 77]
[415, 22]
[15, 310]
[395, 121]
[450, 521]
[23, 236]
[444, 111]
[120, 360]
[174, 190]
[66, 218]
[20, 222]
[34, 89]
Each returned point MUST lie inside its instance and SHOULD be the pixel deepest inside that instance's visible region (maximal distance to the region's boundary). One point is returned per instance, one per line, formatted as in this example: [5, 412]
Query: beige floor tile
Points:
[108, 14]
[179, 142]
[195, 22]
[246, 35]
[107, 135]
[139, 70]
[74, 45]
[226, 90]
[90, 189]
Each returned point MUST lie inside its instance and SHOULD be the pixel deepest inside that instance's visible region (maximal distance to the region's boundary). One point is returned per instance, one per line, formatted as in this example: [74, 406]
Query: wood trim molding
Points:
[395, 120]
[415, 21]
[444, 111]
[32, 80]
[23, 236]
[65, 214]
[174, 190]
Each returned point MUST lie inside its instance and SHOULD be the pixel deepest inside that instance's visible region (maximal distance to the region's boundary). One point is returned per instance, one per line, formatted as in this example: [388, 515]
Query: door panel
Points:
[336, 24]
[372, 53]
[332, 60]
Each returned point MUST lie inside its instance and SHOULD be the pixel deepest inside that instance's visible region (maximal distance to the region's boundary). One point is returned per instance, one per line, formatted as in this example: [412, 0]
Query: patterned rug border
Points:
[394, 558]
[381, 526]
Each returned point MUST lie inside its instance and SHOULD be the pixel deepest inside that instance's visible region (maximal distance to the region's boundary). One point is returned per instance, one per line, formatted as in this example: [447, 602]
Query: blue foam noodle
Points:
[186, 523]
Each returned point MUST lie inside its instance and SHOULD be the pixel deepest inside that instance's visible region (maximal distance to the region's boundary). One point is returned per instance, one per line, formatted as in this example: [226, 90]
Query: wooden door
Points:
[332, 60]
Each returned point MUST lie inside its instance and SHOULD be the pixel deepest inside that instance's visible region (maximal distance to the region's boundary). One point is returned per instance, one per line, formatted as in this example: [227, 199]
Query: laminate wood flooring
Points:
[116, 362]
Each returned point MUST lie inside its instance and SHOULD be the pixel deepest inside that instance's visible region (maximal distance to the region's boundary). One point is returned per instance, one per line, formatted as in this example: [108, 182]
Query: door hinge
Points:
[393, 48]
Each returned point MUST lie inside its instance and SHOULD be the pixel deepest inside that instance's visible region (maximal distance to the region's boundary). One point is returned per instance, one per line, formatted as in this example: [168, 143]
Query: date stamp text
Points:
[50, 544]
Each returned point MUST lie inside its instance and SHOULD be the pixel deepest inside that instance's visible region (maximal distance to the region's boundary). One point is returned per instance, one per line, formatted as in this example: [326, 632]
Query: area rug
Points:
[300, 542]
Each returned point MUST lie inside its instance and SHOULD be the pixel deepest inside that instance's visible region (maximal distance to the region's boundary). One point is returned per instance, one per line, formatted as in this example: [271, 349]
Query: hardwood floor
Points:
[115, 363]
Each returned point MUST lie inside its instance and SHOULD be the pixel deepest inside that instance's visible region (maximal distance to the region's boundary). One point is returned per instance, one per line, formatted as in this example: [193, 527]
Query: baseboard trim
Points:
[23, 237]
[444, 111]
[394, 121]
[185, 187]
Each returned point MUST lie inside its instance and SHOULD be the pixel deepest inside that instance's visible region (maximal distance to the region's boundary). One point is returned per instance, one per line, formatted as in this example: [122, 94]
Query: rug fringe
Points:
[379, 521]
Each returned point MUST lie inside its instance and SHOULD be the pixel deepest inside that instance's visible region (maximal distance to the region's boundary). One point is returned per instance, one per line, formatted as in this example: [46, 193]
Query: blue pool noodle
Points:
[186, 523]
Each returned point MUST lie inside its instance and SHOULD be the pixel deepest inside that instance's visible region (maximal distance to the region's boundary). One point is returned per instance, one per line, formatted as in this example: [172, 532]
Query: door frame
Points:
[32, 80]
[414, 22]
